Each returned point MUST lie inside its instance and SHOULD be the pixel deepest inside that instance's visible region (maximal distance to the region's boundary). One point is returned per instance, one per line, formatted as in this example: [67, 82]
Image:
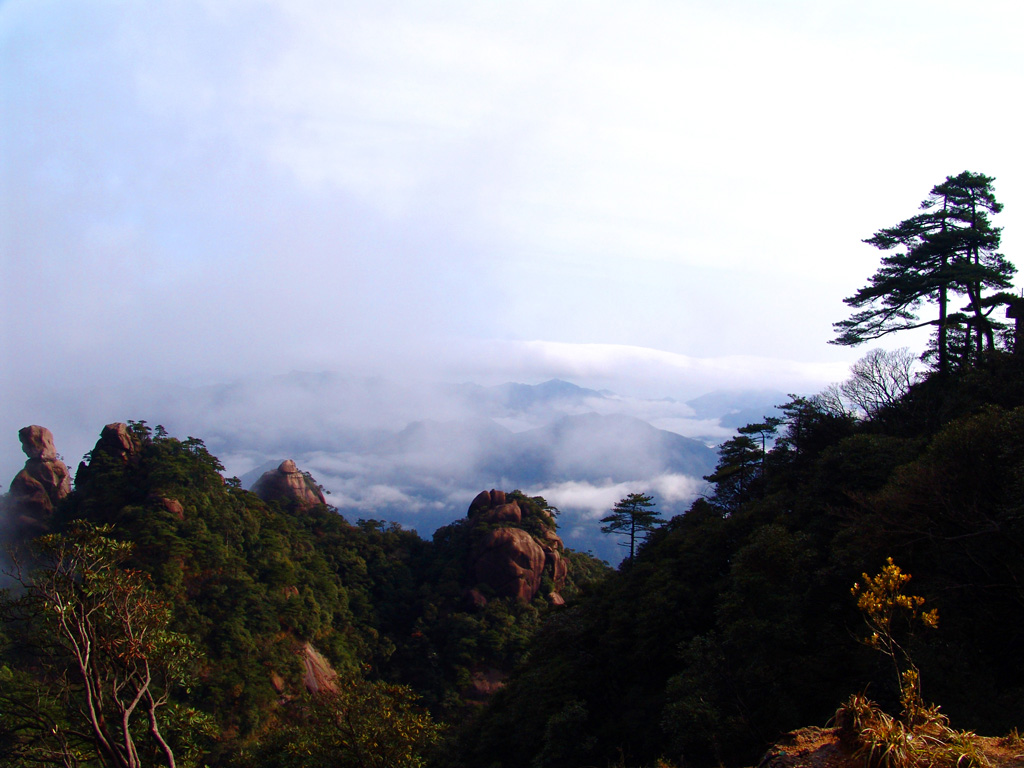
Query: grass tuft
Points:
[927, 741]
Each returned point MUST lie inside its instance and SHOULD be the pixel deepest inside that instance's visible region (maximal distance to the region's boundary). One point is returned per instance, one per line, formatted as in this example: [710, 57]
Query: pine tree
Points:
[633, 516]
[948, 250]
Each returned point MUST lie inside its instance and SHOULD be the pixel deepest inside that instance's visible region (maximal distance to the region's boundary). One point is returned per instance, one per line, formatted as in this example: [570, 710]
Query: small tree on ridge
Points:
[633, 516]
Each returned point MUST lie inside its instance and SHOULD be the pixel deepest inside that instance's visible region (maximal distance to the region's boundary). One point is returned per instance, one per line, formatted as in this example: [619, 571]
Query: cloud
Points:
[658, 199]
[592, 501]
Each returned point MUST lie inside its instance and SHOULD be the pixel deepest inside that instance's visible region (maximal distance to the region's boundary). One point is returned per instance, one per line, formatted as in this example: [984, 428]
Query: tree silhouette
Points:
[633, 516]
[948, 250]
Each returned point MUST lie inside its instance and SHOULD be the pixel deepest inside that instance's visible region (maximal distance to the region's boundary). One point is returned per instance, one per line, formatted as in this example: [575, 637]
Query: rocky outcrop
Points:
[43, 482]
[290, 486]
[116, 446]
[173, 506]
[116, 440]
[483, 684]
[510, 562]
[318, 674]
[516, 548]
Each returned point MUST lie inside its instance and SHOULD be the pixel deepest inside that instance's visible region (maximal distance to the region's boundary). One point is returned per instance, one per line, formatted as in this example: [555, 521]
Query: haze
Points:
[658, 198]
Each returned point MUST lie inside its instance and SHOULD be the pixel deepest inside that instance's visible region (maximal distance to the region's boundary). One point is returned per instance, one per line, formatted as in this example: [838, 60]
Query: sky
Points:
[660, 198]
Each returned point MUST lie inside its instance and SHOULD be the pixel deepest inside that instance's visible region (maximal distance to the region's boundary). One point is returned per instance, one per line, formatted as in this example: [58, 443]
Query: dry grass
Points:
[926, 741]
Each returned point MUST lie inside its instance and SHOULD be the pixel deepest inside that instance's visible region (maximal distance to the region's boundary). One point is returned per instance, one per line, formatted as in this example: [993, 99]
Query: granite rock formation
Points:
[515, 549]
[37, 488]
[290, 486]
[509, 561]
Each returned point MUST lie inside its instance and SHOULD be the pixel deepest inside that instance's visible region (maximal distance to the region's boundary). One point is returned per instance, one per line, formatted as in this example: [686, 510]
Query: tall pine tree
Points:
[948, 250]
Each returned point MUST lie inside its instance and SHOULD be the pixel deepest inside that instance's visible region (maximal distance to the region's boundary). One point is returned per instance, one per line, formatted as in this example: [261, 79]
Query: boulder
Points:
[173, 506]
[510, 562]
[117, 440]
[503, 513]
[556, 566]
[290, 486]
[42, 483]
[506, 559]
[486, 500]
[37, 443]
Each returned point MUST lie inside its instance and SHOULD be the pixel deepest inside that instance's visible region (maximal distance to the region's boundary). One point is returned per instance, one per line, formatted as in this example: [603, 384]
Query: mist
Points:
[199, 202]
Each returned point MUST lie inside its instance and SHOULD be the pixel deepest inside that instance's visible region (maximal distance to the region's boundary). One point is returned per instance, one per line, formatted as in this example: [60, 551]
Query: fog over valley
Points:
[654, 202]
[417, 452]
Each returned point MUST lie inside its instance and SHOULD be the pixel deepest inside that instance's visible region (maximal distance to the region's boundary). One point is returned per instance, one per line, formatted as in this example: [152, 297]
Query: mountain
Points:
[512, 398]
[613, 448]
[737, 408]
[862, 557]
[420, 476]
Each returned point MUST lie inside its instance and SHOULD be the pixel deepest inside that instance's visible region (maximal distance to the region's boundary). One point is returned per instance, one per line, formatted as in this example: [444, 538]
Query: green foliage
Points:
[250, 584]
[741, 472]
[362, 724]
[948, 250]
[732, 624]
[106, 660]
[882, 602]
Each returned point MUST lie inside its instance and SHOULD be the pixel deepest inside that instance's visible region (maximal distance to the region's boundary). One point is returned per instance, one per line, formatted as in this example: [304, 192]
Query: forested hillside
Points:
[735, 622]
[241, 625]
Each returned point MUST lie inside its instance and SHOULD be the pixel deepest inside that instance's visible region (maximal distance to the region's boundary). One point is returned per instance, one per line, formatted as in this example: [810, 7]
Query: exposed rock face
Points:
[37, 443]
[485, 500]
[510, 559]
[319, 675]
[40, 485]
[483, 684]
[171, 505]
[474, 599]
[116, 444]
[510, 562]
[116, 440]
[290, 486]
[504, 513]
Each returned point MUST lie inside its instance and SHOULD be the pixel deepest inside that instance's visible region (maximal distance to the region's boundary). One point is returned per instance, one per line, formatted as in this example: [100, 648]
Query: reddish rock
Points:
[290, 486]
[117, 440]
[474, 599]
[552, 540]
[486, 500]
[503, 513]
[556, 566]
[37, 443]
[510, 562]
[318, 674]
[556, 599]
[277, 683]
[43, 482]
[482, 501]
[171, 505]
[506, 559]
[483, 684]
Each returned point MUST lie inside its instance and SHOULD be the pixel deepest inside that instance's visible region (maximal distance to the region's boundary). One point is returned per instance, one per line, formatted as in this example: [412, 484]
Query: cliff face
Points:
[517, 546]
[43, 482]
[289, 485]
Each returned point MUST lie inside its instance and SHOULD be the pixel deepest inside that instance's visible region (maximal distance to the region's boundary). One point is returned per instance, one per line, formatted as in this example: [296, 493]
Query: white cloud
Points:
[593, 501]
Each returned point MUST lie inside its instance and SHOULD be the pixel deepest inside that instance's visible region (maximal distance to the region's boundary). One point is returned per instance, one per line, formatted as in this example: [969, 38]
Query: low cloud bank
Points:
[417, 452]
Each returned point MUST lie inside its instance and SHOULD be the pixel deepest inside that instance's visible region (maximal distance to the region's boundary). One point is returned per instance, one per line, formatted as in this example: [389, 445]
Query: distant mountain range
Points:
[581, 448]
[417, 452]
